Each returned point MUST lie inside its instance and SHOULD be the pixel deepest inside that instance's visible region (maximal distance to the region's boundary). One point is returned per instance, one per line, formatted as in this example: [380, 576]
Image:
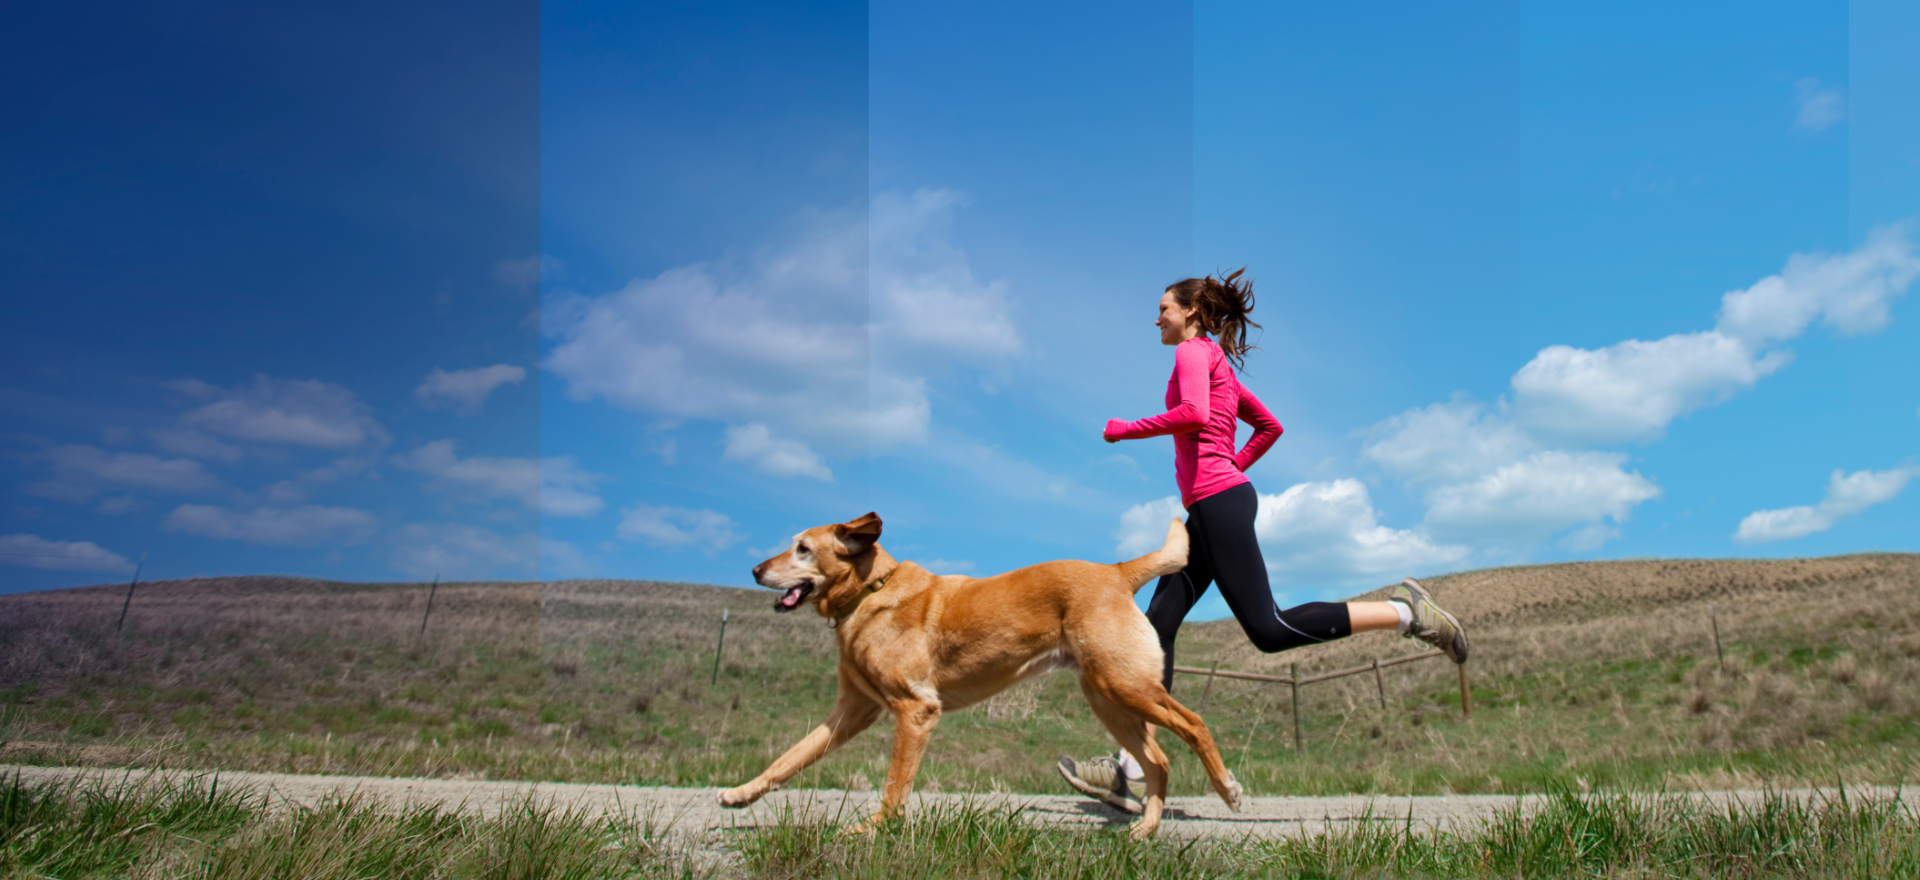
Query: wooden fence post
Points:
[1718, 654]
[129, 603]
[1299, 745]
[1211, 675]
[1466, 700]
[718, 647]
[429, 612]
[1380, 683]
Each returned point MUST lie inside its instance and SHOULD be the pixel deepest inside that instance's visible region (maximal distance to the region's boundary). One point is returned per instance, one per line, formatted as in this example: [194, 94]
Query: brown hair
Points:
[1222, 307]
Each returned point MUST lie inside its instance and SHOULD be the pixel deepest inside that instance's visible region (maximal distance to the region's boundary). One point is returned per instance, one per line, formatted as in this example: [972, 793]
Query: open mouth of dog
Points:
[794, 595]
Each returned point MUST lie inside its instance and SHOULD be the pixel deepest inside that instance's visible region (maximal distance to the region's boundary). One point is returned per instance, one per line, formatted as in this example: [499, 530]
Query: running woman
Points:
[1205, 402]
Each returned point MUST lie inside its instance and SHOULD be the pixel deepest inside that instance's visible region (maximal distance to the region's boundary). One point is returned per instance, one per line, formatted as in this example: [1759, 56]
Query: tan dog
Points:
[918, 644]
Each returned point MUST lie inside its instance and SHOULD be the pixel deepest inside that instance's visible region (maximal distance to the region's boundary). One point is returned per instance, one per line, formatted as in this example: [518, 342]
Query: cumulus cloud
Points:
[466, 391]
[676, 528]
[33, 551]
[1324, 530]
[554, 486]
[1522, 472]
[1143, 527]
[308, 525]
[452, 551]
[1851, 292]
[1820, 105]
[295, 412]
[1634, 389]
[1847, 494]
[1330, 529]
[1538, 496]
[782, 458]
[789, 337]
[82, 470]
[185, 441]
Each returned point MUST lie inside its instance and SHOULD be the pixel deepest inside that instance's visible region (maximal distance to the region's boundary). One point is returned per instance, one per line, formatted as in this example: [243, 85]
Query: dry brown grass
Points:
[1582, 672]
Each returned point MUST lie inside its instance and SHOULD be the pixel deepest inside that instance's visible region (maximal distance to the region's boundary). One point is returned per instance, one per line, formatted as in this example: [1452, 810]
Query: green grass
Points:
[194, 828]
[1593, 674]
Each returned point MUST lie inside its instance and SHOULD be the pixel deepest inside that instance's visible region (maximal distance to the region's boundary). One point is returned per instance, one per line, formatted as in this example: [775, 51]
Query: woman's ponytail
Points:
[1223, 306]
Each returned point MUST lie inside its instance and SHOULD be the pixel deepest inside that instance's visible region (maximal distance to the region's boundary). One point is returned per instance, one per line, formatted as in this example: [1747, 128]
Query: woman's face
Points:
[1176, 324]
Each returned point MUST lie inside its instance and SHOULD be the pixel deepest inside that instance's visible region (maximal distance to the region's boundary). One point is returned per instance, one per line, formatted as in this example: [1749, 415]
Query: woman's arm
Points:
[1190, 414]
[1266, 429]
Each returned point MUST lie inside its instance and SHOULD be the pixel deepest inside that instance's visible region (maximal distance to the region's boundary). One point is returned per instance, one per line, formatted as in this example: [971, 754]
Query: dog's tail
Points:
[1168, 559]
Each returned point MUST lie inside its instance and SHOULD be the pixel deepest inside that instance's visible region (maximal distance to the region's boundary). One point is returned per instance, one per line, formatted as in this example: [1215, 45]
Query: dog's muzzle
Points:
[794, 595]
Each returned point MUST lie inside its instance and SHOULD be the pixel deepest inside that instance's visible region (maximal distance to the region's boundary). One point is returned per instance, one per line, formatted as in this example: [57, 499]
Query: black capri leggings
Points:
[1224, 551]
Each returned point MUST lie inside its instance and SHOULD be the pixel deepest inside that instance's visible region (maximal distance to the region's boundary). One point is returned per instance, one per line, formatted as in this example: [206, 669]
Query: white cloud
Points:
[1850, 292]
[309, 525]
[675, 528]
[1457, 440]
[1632, 390]
[1143, 527]
[782, 458]
[1821, 106]
[33, 551]
[1847, 494]
[1538, 496]
[790, 337]
[291, 411]
[561, 559]
[554, 486]
[452, 551]
[566, 490]
[297, 489]
[1331, 530]
[466, 390]
[1326, 530]
[185, 441]
[84, 467]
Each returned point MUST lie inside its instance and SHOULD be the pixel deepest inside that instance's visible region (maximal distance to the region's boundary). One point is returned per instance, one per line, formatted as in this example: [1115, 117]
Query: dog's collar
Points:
[854, 605]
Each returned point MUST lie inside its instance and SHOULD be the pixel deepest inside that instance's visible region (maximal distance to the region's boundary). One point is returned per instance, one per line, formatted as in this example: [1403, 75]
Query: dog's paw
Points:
[735, 798]
[1235, 796]
[1141, 829]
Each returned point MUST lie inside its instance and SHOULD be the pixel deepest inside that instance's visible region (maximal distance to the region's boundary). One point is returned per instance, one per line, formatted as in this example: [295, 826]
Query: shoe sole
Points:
[1420, 594]
[1080, 785]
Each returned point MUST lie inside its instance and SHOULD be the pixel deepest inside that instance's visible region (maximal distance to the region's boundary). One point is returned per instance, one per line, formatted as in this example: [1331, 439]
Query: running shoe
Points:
[1431, 623]
[1102, 779]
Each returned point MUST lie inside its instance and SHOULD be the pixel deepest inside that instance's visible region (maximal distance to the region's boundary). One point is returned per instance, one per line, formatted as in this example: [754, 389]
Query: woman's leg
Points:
[1232, 553]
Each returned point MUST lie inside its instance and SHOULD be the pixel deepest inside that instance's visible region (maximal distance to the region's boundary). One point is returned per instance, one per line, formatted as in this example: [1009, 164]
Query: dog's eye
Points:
[804, 548]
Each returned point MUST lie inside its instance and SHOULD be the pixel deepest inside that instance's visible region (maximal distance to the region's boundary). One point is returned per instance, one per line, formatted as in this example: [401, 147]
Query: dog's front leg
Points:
[853, 713]
[914, 720]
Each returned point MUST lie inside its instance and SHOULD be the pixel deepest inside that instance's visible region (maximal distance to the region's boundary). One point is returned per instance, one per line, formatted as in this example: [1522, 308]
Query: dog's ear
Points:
[857, 536]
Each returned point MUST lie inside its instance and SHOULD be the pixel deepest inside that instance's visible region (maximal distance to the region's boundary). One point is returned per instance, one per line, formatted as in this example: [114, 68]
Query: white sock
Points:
[1130, 766]
[1406, 615]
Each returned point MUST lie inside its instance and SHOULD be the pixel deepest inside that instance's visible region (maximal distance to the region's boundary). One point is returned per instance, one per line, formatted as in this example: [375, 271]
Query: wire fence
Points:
[1295, 682]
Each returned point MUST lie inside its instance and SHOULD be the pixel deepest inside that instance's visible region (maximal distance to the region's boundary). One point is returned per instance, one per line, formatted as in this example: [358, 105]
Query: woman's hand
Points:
[1115, 427]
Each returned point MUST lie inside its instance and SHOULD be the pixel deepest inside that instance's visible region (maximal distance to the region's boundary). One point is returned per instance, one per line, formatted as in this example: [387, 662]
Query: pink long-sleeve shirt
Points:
[1205, 403]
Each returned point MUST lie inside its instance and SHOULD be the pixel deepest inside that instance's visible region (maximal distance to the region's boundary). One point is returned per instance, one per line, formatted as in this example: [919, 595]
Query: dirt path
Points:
[695, 812]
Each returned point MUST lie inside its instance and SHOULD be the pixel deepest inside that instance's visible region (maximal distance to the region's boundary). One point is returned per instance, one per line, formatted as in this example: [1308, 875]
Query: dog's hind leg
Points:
[1152, 703]
[1136, 736]
[853, 713]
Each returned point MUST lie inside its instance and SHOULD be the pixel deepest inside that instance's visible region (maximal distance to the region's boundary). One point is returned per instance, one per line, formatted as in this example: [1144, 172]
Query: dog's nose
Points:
[757, 570]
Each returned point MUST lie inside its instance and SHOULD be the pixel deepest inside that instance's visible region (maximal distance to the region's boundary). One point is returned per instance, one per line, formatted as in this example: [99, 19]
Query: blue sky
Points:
[601, 290]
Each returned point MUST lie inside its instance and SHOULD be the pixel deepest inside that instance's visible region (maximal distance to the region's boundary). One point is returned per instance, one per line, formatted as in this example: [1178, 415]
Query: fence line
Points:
[1296, 682]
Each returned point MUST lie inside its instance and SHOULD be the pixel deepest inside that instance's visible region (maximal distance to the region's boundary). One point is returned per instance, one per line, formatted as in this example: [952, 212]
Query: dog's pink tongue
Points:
[791, 598]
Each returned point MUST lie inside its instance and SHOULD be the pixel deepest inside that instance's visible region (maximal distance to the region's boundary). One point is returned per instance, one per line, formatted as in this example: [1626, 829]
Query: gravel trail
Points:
[695, 812]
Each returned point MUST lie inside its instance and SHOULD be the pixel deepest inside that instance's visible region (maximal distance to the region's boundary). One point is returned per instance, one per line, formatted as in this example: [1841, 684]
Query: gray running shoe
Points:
[1102, 779]
[1431, 623]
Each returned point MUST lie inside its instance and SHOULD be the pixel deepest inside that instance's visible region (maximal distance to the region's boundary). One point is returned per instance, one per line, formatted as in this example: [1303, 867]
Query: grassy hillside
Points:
[1587, 674]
